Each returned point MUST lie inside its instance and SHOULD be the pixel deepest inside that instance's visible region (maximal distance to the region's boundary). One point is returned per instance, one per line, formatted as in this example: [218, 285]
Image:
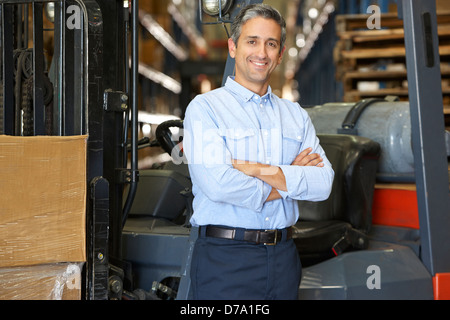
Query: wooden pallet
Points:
[372, 63]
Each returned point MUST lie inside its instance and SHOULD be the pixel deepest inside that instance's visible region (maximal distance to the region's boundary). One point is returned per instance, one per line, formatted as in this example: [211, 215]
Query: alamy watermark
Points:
[374, 280]
[74, 17]
[216, 147]
[374, 20]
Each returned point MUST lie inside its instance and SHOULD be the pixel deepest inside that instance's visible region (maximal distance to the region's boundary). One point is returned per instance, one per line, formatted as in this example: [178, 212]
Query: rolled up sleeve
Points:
[307, 183]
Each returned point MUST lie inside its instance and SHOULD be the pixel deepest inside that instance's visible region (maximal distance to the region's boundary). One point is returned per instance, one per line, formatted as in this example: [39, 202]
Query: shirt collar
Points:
[242, 91]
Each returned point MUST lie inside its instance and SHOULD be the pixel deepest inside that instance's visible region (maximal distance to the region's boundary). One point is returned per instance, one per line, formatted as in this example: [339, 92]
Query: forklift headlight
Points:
[211, 7]
[50, 11]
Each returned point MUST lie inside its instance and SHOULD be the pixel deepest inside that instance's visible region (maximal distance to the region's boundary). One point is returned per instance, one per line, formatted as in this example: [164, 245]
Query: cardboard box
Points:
[42, 200]
[61, 281]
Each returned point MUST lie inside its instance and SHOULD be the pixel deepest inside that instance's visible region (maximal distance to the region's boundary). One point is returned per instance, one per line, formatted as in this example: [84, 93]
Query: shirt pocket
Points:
[292, 142]
[242, 144]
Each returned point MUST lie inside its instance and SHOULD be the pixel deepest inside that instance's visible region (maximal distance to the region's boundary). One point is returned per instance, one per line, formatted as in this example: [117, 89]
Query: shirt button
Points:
[267, 219]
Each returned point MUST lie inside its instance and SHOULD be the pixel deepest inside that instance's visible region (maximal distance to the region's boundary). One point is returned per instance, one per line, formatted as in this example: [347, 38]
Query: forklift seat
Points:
[342, 222]
[163, 194]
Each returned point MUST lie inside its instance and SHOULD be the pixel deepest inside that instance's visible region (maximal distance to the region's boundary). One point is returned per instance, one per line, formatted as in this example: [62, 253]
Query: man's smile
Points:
[258, 63]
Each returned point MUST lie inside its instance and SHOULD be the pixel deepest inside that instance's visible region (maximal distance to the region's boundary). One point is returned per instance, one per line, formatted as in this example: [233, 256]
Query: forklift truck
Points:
[139, 241]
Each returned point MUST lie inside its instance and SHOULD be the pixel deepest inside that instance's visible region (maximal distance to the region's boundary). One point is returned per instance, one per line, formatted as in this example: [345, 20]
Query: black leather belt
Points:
[266, 237]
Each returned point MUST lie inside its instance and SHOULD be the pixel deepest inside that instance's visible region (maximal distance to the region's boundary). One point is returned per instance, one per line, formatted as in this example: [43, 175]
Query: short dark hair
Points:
[254, 11]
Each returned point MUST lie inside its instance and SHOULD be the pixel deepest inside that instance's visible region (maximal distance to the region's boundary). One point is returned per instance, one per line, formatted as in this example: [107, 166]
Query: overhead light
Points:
[300, 40]
[293, 52]
[188, 29]
[216, 7]
[314, 32]
[162, 36]
[313, 13]
[159, 77]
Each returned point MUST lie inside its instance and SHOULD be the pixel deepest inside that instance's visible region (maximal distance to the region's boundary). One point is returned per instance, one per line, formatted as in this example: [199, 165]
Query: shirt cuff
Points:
[267, 189]
[294, 182]
[283, 194]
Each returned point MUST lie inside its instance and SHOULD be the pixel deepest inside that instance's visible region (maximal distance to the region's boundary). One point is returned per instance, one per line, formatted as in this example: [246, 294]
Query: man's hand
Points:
[305, 158]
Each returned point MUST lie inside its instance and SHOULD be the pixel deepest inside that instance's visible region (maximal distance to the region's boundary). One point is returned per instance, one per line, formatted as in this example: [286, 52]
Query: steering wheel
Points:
[164, 136]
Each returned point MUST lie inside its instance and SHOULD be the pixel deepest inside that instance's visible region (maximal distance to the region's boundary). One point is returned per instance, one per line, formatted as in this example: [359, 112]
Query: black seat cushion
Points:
[160, 194]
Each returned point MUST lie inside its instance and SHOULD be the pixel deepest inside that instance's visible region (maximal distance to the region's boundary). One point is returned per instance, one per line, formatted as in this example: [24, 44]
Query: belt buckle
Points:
[274, 239]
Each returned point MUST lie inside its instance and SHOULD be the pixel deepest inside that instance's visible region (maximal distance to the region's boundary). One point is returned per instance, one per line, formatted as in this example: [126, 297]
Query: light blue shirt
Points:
[232, 122]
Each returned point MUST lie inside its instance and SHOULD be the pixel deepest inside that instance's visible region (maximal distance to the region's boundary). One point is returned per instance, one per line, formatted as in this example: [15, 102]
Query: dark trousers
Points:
[224, 269]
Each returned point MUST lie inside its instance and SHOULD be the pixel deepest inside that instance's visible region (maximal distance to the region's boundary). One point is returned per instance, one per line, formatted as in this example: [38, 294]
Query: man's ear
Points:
[280, 58]
[231, 48]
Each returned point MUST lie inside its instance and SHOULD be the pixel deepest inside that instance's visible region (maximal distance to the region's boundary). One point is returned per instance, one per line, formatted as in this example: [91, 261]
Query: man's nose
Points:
[262, 51]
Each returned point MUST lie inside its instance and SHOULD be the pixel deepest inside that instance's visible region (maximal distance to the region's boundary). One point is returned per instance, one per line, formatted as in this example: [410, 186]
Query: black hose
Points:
[134, 111]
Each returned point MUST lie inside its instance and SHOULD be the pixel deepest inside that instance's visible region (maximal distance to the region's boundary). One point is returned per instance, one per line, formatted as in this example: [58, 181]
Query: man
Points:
[251, 155]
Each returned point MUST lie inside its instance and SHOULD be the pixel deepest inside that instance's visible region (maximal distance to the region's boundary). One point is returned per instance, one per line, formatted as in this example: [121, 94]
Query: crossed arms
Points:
[273, 175]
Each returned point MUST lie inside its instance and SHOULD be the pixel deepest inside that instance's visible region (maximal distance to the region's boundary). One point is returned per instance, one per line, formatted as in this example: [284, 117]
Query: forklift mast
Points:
[428, 139]
[83, 91]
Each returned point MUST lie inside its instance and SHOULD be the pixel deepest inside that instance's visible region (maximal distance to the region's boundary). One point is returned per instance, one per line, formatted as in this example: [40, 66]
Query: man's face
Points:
[257, 53]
